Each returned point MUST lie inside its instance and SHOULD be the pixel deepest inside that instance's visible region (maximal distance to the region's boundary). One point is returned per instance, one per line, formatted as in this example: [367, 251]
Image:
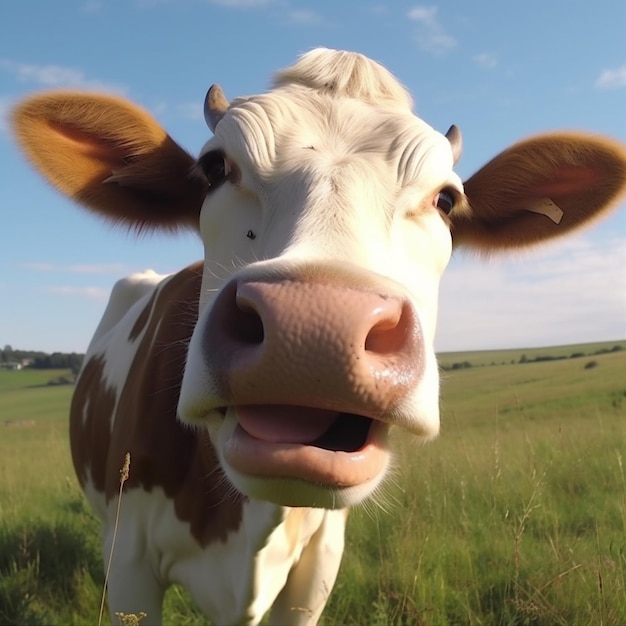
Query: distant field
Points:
[26, 394]
[28, 378]
[515, 515]
[503, 357]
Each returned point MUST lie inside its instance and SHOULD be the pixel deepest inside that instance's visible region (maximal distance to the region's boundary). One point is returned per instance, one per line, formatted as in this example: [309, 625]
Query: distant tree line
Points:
[574, 355]
[42, 360]
[537, 359]
[457, 366]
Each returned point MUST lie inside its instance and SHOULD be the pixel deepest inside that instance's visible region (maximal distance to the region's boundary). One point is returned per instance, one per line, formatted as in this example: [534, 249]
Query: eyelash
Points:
[216, 168]
[447, 198]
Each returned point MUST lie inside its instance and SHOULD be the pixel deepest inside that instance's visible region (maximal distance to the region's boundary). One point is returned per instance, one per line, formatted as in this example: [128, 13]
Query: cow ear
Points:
[538, 189]
[110, 156]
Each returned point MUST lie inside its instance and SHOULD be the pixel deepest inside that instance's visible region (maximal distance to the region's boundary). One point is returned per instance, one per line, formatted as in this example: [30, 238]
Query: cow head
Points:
[328, 213]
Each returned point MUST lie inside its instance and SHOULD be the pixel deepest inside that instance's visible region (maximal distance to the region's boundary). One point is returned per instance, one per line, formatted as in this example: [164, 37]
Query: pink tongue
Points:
[284, 424]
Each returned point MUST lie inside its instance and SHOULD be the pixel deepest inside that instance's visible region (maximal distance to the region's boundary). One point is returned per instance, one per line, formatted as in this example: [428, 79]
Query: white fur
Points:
[235, 582]
[110, 341]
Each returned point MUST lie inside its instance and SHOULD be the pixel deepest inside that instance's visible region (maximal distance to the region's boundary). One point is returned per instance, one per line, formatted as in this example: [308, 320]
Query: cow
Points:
[255, 389]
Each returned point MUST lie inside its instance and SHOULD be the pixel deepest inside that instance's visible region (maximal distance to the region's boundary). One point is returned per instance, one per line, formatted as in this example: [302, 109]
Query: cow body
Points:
[182, 522]
[255, 390]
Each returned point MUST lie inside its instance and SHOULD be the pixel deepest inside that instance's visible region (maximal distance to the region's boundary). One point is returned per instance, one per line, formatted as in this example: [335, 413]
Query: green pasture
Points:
[26, 395]
[509, 356]
[515, 515]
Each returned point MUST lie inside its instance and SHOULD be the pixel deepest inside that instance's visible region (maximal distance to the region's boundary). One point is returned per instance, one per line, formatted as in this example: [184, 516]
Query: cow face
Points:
[336, 212]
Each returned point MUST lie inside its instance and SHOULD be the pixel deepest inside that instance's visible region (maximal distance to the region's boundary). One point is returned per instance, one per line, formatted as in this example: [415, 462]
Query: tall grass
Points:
[516, 515]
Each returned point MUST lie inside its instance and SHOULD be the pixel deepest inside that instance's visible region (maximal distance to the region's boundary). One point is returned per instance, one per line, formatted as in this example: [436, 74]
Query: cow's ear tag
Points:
[545, 206]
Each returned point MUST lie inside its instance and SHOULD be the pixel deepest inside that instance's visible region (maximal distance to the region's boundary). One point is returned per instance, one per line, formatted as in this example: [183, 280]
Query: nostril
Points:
[391, 334]
[236, 319]
[244, 325]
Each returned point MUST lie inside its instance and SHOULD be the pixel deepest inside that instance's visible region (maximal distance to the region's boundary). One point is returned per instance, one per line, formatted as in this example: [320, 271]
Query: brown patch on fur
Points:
[91, 409]
[582, 174]
[110, 156]
[164, 453]
[205, 498]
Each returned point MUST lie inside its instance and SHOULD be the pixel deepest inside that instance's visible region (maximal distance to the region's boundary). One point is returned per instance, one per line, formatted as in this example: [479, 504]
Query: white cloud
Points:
[573, 292]
[485, 60]
[56, 76]
[91, 293]
[82, 268]
[431, 35]
[102, 268]
[612, 79]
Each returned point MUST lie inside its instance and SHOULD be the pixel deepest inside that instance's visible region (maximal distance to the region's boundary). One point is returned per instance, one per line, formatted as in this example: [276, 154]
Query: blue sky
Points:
[499, 70]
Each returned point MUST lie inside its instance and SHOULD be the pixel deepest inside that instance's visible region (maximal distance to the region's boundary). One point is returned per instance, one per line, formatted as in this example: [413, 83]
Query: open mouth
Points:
[348, 433]
[317, 445]
[330, 430]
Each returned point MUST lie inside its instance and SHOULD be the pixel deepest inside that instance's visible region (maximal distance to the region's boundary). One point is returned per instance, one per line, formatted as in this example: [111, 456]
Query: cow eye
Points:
[215, 167]
[444, 201]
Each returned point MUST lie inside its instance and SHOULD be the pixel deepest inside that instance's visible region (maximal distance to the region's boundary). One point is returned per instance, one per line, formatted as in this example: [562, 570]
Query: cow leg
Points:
[135, 591]
[311, 580]
[132, 587]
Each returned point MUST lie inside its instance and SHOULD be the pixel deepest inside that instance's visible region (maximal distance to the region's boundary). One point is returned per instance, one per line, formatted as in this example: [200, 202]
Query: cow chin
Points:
[302, 474]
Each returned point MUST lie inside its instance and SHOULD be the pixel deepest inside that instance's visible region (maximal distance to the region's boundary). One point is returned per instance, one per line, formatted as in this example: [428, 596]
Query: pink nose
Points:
[307, 343]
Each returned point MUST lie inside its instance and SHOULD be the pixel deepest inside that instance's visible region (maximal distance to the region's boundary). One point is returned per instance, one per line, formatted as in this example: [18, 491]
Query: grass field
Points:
[515, 516]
